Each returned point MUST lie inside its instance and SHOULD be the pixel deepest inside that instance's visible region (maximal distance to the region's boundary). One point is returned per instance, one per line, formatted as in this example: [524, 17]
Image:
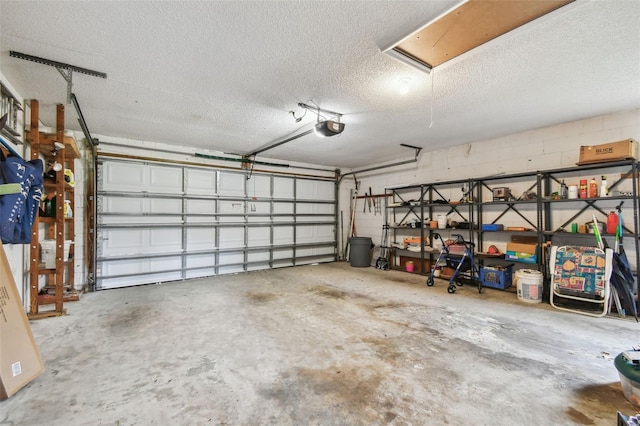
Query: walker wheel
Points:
[430, 281]
[480, 288]
[451, 289]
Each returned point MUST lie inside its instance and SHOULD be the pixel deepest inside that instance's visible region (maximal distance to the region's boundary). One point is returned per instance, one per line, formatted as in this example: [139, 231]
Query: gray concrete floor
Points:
[321, 345]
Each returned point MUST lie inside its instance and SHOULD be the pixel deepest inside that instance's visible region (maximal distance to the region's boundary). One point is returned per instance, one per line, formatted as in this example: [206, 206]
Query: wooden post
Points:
[59, 225]
[34, 252]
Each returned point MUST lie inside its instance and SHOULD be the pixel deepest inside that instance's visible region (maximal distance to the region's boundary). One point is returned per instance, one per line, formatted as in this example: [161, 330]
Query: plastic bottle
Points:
[583, 188]
[593, 188]
[604, 191]
[563, 190]
[67, 209]
[612, 223]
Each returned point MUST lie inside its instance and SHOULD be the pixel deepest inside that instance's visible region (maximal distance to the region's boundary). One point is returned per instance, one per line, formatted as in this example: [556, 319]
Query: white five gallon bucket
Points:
[529, 285]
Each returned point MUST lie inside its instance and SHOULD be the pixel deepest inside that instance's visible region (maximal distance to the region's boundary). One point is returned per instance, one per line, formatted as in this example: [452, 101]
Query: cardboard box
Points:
[521, 252]
[613, 151]
[20, 360]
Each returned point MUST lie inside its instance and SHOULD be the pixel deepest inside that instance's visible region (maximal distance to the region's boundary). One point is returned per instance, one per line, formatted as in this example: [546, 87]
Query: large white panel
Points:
[312, 208]
[283, 187]
[121, 242]
[314, 233]
[259, 236]
[282, 235]
[258, 256]
[283, 208]
[201, 239]
[315, 190]
[232, 184]
[219, 217]
[199, 273]
[130, 177]
[283, 254]
[163, 240]
[200, 206]
[201, 260]
[121, 204]
[165, 180]
[231, 237]
[259, 186]
[164, 205]
[200, 182]
[231, 258]
[232, 207]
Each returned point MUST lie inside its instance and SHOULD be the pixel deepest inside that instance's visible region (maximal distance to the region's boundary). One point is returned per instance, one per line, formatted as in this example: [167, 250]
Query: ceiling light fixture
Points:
[404, 85]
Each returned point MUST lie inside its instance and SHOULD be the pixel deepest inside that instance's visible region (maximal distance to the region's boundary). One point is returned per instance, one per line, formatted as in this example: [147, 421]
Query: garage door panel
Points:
[160, 205]
[282, 254]
[200, 182]
[283, 235]
[122, 204]
[259, 236]
[231, 238]
[232, 184]
[231, 259]
[315, 190]
[259, 186]
[163, 240]
[120, 242]
[201, 239]
[165, 180]
[200, 207]
[201, 260]
[118, 176]
[258, 256]
[283, 187]
[219, 213]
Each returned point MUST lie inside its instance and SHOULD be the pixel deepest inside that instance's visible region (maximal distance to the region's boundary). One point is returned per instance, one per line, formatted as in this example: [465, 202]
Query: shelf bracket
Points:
[68, 77]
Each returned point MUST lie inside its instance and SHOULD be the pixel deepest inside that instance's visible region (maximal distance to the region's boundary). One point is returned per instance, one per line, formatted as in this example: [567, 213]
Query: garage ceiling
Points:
[223, 76]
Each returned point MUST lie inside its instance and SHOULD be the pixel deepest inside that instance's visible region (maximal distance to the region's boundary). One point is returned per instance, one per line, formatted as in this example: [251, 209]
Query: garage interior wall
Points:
[547, 148]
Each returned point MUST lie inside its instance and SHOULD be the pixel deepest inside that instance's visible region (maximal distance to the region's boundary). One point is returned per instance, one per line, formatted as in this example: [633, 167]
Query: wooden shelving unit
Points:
[59, 280]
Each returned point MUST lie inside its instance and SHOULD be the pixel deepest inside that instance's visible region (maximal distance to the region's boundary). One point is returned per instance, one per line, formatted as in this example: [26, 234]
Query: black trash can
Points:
[360, 253]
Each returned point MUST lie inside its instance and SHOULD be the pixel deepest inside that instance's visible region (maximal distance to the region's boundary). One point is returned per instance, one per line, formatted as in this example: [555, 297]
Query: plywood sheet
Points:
[470, 25]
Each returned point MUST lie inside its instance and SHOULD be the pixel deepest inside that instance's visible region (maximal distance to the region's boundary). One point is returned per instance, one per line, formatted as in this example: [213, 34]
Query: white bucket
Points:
[442, 221]
[529, 285]
[48, 252]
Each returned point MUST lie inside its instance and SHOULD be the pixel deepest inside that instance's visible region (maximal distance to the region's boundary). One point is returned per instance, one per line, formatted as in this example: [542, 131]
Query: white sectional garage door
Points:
[161, 222]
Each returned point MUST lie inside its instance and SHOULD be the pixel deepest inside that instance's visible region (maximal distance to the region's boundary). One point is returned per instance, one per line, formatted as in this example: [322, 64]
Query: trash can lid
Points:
[627, 368]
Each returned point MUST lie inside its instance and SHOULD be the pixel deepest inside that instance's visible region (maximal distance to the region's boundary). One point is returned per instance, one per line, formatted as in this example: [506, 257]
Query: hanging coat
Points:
[18, 211]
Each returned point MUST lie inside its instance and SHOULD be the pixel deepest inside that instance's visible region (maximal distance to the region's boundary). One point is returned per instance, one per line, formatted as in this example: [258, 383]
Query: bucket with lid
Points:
[529, 285]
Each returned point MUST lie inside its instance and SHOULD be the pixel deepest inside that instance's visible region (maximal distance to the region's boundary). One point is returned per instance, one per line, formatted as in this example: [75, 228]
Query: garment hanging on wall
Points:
[18, 211]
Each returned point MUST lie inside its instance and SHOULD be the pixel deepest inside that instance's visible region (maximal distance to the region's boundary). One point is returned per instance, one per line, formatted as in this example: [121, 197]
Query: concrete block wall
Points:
[539, 149]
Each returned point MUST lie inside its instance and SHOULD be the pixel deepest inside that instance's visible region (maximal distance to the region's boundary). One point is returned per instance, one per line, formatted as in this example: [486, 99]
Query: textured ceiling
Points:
[223, 75]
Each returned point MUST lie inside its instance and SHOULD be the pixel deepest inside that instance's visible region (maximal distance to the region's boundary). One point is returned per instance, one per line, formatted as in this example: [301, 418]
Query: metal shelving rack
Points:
[418, 203]
[539, 212]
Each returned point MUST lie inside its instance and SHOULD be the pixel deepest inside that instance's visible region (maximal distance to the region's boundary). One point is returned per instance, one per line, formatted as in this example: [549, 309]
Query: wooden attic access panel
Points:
[471, 24]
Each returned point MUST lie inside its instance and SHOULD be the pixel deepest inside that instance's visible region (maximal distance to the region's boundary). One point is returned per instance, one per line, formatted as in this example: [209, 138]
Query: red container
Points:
[584, 190]
[612, 223]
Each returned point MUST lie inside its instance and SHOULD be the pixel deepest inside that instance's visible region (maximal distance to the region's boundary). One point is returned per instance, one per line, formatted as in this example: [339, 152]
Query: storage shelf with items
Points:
[416, 212]
[509, 221]
[516, 218]
[52, 243]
